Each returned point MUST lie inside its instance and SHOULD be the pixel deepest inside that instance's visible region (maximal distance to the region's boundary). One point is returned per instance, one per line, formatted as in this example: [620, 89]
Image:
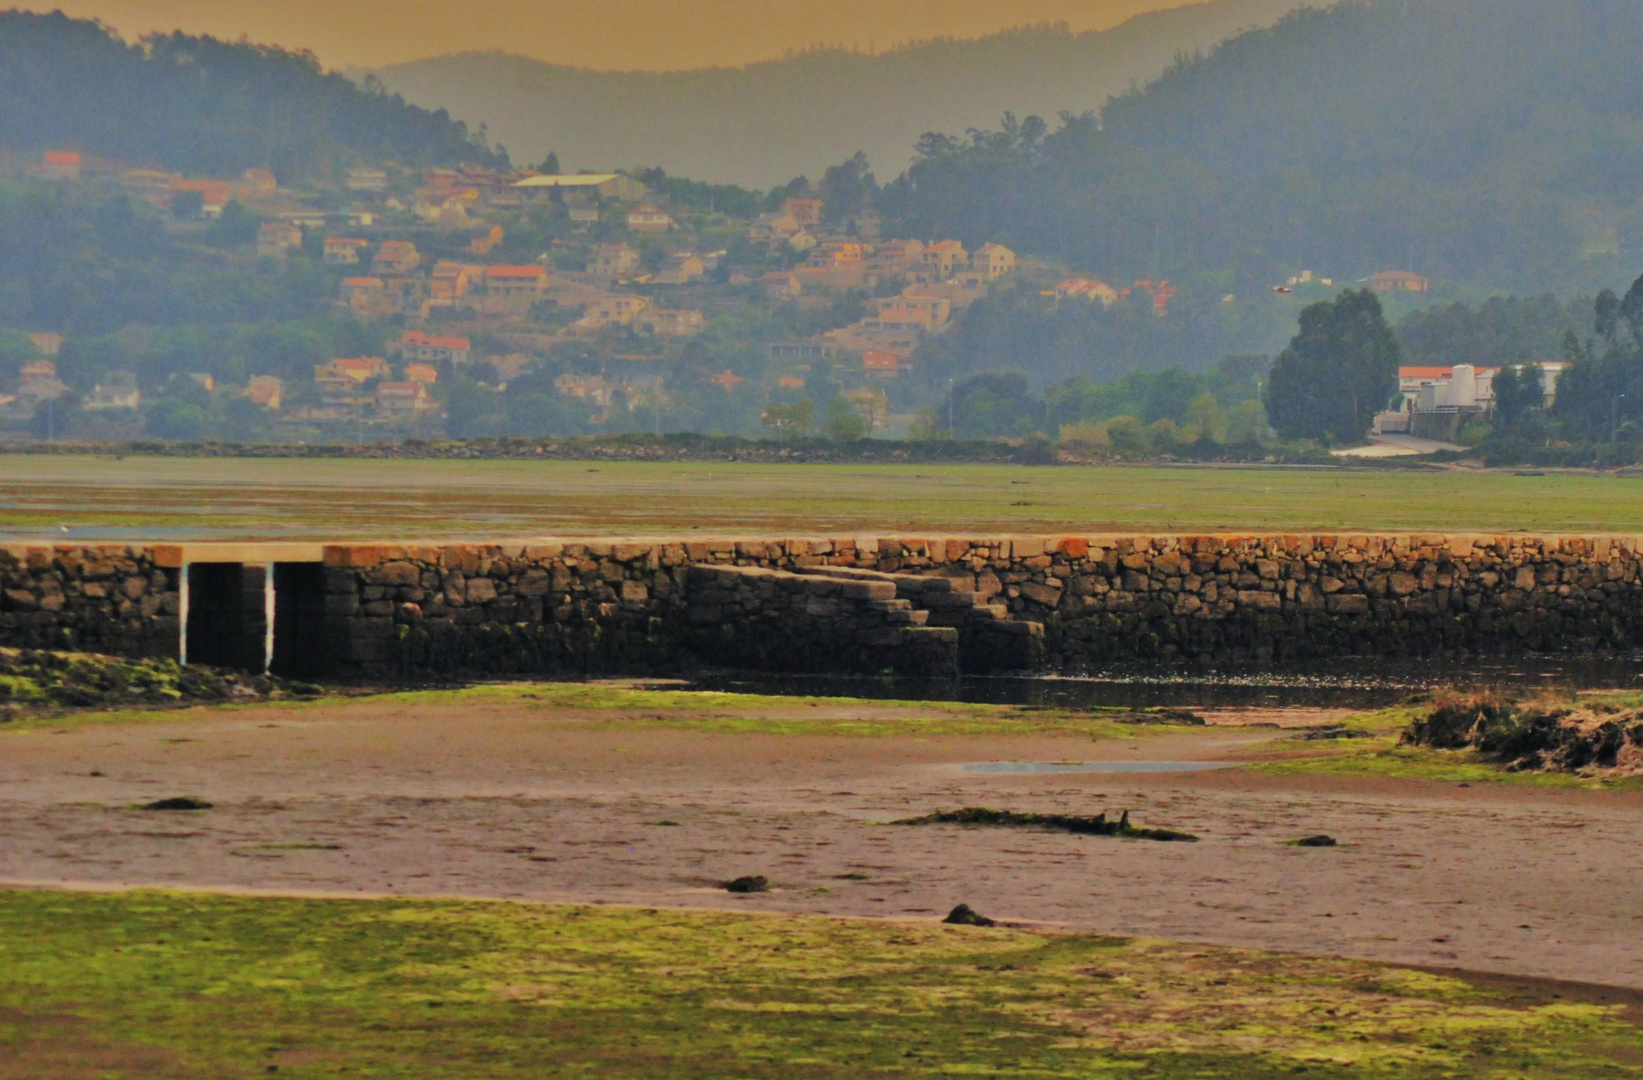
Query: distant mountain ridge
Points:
[1495, 143]
[197, 104]
[764, 123]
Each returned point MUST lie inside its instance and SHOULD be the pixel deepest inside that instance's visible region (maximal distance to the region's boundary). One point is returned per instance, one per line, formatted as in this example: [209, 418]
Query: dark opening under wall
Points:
[227, 615]
[300, 643]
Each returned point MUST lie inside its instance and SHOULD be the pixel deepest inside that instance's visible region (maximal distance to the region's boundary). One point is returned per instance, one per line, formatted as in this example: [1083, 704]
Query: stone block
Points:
[21, 600]
[341, 603]
[1041, 594]
[1348, 604]
[1260, 600]
[400, 572]
[533, 583]
[363, 628]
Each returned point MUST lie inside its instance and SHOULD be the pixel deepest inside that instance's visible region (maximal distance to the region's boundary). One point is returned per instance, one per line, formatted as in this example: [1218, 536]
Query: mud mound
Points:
[1536, 735]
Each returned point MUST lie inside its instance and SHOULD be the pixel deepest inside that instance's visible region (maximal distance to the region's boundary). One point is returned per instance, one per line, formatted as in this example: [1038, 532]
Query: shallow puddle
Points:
[1094, 766]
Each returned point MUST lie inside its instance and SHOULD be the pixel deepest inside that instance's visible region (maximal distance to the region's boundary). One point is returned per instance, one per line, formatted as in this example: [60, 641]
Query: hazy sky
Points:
[652, 34]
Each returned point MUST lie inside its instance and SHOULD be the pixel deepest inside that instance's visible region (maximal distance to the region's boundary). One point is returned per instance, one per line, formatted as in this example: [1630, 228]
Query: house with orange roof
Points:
[483, 239]
[258, 181]
[941, 259]
[1399, 281]
[648, 218]
[884, 364]
[1090, 289]
[782, 285]
[415, 345]
[528, 281]
[343, 250]
[364, 295]
[422, 373]
[670, 322]
[727, 379]
[275, 238]
[57, 165]
[992, 261]
[396, 257]
[348, 374]
[404, 397]
[214, 194]
[267, 391]
[612, 260]
[807, 212]
[47, 344]
[928, 313]
[37, 369]
[616, 309]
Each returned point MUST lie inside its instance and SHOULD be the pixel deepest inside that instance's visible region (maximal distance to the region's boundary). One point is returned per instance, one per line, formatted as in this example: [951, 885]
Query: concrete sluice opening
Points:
[227, 624]
[257, 617]
[299, 646]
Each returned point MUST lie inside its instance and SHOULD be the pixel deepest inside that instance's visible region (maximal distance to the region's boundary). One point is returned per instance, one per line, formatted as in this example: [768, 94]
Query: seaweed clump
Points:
[1536, 735]
[1099, 825]
[965, 915]
[178, 802]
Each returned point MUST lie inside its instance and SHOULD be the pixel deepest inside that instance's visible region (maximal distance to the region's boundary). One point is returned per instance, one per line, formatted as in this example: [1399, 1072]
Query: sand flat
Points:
[505, 800]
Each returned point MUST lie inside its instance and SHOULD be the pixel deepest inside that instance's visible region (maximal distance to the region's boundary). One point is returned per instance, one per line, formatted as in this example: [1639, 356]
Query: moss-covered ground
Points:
[636, 707]
[1379, 752]
[155, 984]
[41, 685]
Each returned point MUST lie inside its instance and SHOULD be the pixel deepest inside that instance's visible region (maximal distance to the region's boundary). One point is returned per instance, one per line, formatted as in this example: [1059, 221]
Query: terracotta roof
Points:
[426, 341]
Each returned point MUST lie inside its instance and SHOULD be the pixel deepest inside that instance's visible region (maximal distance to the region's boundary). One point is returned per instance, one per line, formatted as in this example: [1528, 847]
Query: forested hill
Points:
[1491, 142]
[199, 105]
[767, 122]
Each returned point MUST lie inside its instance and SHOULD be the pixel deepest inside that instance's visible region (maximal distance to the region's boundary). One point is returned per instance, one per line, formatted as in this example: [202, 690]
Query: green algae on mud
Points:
[637, 706]
[630, 706]
[193, 985]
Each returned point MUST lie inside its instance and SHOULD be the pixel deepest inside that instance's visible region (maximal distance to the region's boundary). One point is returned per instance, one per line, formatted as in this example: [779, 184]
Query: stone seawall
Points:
[1058, 603]
[107, 598]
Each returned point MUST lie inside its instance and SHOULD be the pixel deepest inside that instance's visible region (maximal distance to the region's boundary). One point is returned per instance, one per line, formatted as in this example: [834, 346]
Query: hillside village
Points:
[481, 275]
[490, 302]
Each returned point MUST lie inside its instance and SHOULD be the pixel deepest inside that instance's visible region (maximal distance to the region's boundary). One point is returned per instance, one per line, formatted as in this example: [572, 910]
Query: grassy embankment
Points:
[167, 498]
[178, 985]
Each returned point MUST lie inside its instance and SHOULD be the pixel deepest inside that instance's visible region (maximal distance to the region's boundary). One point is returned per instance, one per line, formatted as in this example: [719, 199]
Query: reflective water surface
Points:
[1347, 683]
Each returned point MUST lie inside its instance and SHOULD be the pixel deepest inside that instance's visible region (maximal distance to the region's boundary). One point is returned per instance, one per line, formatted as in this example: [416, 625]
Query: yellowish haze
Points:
[610, 34]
